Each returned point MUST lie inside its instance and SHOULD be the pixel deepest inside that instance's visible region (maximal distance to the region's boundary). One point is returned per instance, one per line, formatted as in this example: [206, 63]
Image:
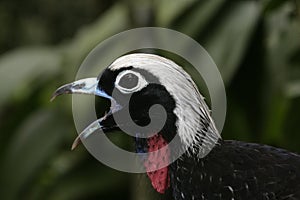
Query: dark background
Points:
[255, 44]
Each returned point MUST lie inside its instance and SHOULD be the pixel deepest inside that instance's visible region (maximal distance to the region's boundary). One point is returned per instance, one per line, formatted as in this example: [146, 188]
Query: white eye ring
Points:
[141, 82]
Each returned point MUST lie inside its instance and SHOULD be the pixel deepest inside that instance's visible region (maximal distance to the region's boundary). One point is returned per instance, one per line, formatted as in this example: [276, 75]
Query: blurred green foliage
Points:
[255, 44]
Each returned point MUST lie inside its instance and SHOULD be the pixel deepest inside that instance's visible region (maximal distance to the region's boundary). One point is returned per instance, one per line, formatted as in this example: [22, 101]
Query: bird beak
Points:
[83, 86]
[90, 86]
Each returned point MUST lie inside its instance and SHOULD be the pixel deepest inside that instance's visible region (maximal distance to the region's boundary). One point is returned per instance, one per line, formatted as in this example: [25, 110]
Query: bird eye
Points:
[130, 81]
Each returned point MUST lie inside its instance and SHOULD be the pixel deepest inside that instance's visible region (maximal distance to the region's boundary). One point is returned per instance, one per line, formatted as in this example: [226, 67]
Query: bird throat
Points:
[160, 179]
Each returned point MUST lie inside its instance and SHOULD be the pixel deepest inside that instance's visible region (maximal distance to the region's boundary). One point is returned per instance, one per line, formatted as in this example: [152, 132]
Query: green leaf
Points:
[29, 149]
[199, 17]
[19, 68]
[293, 89]
[111, 22]
[168, 10]
[279, 48]
[229, 40]
[86, 182]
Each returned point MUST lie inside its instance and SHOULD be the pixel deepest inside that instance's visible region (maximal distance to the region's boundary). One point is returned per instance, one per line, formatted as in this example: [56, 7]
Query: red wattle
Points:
[160, 179]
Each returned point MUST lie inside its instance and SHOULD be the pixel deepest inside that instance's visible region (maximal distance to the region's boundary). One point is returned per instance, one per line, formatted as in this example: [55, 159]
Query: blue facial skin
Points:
[101, 93]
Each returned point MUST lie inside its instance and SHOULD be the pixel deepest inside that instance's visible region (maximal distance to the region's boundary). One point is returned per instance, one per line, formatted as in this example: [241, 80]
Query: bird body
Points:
[238, 170]
[209, 167]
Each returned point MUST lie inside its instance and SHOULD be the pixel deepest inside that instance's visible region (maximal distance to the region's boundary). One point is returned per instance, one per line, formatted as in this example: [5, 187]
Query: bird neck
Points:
[189, 173]
[206, 137]
[194, 124]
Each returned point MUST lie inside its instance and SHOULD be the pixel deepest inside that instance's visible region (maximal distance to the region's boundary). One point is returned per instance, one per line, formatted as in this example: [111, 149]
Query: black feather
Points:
[237, 170]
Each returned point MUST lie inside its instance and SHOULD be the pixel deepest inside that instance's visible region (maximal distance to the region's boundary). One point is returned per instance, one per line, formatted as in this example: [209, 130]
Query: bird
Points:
[210, 168]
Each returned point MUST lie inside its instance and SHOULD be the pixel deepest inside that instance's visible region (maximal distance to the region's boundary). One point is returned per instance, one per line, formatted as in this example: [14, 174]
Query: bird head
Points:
[135, 83]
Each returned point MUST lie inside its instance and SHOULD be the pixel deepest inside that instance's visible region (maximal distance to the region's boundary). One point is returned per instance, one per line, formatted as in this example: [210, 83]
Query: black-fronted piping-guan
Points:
[210, 167]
